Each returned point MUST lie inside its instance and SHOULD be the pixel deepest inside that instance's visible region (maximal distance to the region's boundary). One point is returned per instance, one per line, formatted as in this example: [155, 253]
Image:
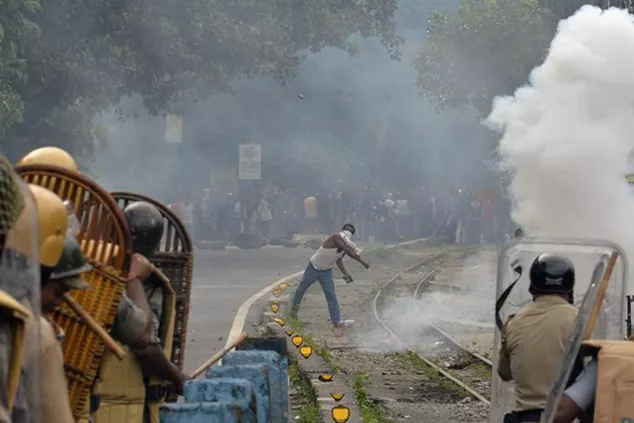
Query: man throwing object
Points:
[319, 268]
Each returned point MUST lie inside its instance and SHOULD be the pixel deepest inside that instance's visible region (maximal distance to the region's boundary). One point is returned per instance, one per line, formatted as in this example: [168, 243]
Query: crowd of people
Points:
[460, 216]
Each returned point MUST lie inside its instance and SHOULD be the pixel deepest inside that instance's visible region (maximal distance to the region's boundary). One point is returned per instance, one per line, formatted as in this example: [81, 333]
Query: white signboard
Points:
[249, 166]
[174, 129]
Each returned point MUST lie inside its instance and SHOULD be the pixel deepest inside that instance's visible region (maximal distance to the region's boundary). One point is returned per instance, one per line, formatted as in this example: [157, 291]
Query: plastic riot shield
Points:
[610, 301]
[104, 237]
[590, 259]
[20, 382]
[175, 258]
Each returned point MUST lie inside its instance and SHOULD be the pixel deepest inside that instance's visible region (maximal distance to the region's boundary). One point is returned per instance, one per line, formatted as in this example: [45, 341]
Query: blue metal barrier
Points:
[251, 386]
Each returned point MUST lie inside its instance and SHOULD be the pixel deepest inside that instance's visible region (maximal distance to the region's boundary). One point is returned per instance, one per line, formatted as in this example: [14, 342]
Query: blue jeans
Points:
[311, 275]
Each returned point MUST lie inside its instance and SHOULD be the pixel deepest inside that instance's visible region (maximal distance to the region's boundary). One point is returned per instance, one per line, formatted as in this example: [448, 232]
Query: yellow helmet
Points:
[49, 156]
[52, 219]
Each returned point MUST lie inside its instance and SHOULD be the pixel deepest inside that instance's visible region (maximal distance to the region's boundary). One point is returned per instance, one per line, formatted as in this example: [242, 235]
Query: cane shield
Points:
[590, 259]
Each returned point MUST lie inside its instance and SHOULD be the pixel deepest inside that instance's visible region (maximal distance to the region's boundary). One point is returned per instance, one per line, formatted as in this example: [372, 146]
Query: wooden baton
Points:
[95, 327]
[216, 357]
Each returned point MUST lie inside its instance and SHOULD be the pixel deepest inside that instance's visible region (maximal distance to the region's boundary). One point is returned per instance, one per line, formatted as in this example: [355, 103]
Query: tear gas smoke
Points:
[462, 313]
[567, 135]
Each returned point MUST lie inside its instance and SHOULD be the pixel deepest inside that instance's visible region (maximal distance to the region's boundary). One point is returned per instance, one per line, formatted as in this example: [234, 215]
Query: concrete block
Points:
[203, 412]
[258, 375]
[277, 378]
[228, 390]
[279, 344]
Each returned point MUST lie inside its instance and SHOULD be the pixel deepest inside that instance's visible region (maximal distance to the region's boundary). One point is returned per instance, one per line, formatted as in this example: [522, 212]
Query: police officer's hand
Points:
[140, 267]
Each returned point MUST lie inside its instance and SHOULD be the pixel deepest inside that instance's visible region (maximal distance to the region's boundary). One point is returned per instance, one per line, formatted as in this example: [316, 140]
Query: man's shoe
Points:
[344, 323]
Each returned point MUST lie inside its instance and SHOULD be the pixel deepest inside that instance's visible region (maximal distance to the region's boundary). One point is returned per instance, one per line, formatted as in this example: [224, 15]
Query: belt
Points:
[155, 392]
[524, 416]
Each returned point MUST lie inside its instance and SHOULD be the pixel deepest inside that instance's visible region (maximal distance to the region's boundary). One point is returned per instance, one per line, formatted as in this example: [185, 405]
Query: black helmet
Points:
[71, 266]
[552, 274]
[146, 226]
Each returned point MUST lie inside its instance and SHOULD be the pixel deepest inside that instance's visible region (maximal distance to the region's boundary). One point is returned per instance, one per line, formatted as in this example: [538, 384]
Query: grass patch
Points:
[414, 362]
[306, 398]
[370, 410]
[322, 352]
[482, 370]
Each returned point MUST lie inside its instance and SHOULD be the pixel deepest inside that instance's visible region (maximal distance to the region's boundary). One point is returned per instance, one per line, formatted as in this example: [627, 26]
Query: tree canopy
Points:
[62, 61]
[486, 49]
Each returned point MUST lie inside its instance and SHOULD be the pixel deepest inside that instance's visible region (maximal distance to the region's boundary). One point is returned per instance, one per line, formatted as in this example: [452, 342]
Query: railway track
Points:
[459, 364]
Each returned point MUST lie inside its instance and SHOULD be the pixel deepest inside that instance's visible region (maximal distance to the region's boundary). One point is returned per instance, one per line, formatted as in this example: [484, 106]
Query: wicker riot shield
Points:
[106, 242]
[175, 258]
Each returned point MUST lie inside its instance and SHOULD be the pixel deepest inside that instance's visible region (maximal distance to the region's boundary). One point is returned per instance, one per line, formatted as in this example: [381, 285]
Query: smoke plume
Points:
[568, 133]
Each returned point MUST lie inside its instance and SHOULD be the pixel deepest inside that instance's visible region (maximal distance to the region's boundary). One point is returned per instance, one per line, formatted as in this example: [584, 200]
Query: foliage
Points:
[487, 49]
[92, 52]
[14, 26]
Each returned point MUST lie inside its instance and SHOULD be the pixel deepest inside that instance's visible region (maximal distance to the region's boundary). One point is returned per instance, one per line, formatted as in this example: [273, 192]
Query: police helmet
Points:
[71, 266]
[49, 156]
[146, 226]
[552, 274]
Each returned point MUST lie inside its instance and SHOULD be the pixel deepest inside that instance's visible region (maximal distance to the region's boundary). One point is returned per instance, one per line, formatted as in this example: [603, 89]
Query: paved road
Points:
[223, 280]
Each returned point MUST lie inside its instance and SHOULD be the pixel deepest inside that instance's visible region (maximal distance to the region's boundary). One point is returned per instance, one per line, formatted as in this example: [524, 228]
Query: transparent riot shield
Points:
[20, 280]
[590, 258]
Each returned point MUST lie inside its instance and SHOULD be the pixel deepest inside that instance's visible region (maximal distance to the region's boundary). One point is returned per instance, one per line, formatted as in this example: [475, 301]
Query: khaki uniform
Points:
[120, 384]
[161, 300]
[12, 332]
[533, 343]
[6, 341]
[54, 401]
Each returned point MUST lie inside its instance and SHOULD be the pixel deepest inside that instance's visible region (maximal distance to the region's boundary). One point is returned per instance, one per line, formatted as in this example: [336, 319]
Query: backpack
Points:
[614, 400]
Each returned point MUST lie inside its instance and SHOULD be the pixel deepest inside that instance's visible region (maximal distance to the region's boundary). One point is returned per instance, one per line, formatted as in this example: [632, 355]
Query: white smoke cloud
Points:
[567, 135]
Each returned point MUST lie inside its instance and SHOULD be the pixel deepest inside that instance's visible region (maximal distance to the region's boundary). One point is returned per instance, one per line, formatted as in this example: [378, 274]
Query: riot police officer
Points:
[533, 340]
[146, 225]
[66, 276]
[13, 315]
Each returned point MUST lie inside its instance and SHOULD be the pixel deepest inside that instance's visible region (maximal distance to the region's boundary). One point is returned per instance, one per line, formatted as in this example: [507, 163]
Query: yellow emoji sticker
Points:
[283, 286]
[297, 340]
[277, 292]
[325, 377]
[279, 321]
[337, 397]
[289, 332]
[306, 351]
[340, 414]
[275, 307]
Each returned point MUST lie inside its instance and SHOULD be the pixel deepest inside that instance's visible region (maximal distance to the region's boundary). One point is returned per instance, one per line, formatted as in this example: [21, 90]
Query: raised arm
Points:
[341, 243]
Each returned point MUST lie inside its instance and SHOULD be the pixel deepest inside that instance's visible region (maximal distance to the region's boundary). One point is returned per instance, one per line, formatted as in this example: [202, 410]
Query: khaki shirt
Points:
[6, 342]
[53, 402]
[130, 323]
[533, 343]
[154, 294]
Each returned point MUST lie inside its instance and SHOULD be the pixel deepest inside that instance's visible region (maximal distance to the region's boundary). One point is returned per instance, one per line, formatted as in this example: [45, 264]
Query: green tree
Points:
[93, 52]
[487, 49]
[14, 27]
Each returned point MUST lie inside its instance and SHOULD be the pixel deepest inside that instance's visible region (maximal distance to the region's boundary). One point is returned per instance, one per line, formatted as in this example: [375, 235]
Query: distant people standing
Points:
[401, 209]
[265, 217]
[187, 214]
[365, 214]
[391, 233]
[237, 214]
[310, 214]
[323, 211]
[319, 268]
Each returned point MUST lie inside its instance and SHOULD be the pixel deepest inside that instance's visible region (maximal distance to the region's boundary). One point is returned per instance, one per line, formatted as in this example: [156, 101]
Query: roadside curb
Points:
[332, 388]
